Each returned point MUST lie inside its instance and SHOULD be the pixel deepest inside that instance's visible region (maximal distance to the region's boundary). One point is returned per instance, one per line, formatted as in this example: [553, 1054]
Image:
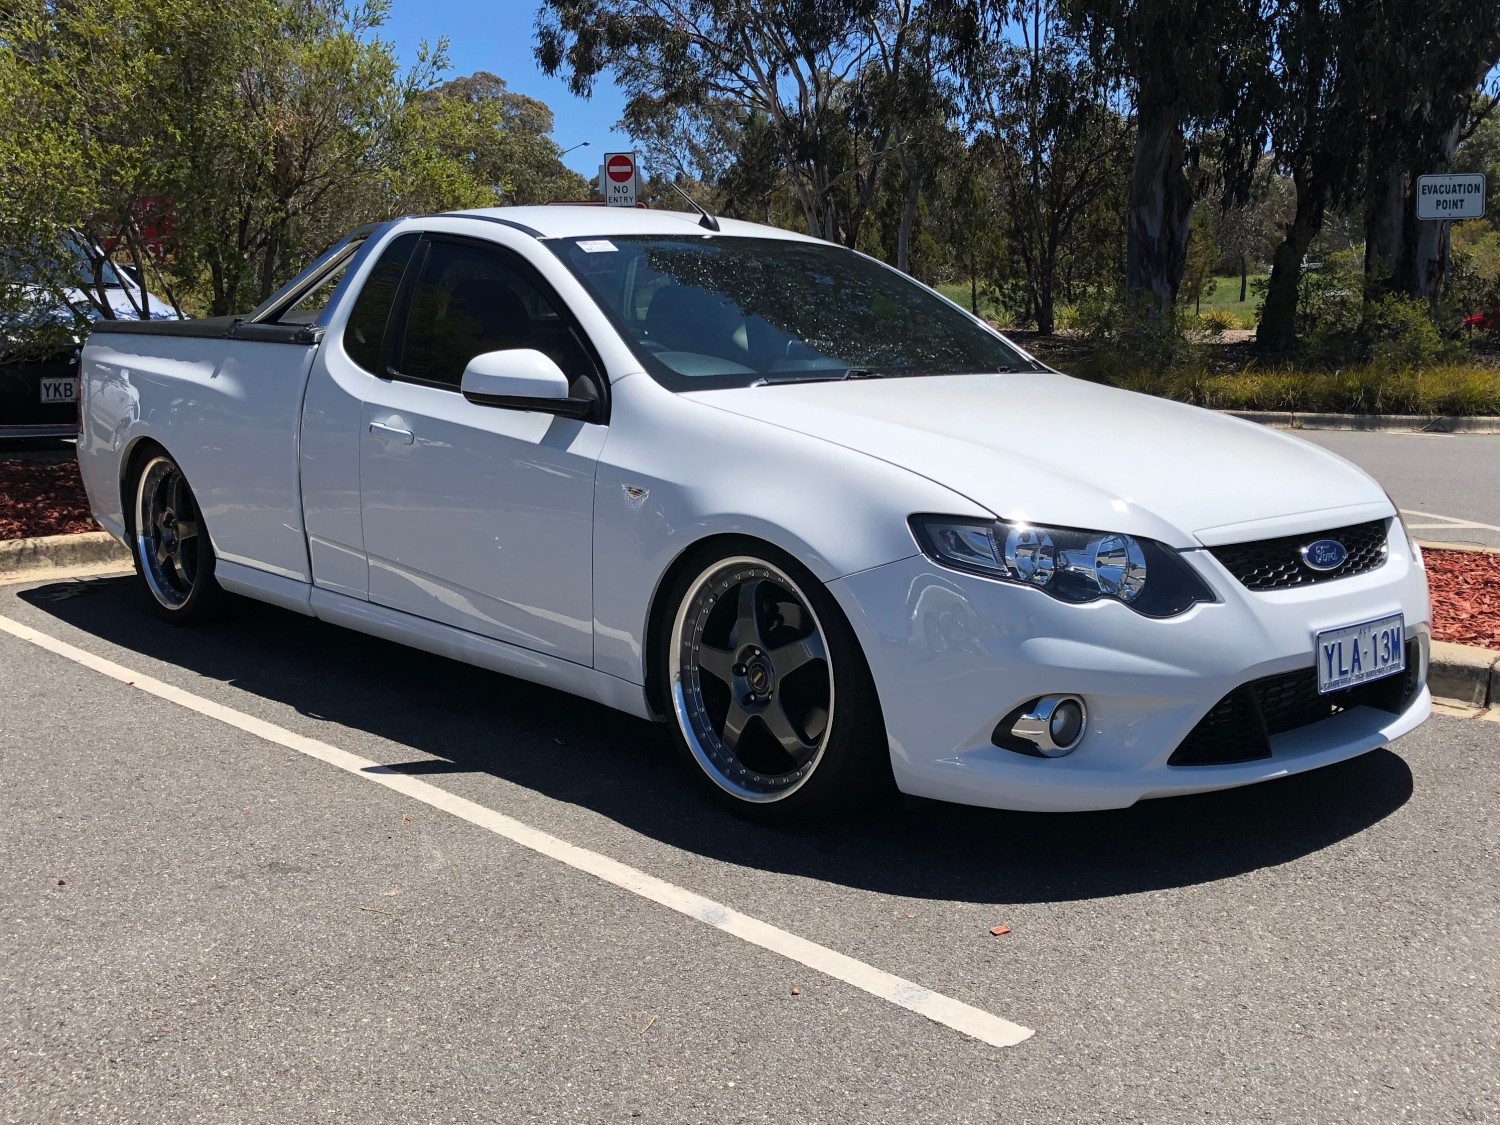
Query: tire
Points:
[173, 556]
[772, 704]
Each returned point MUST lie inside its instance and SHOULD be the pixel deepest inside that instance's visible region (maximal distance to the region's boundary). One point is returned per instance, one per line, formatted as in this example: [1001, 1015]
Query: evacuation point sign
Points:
[618, 180]
[1453, 195]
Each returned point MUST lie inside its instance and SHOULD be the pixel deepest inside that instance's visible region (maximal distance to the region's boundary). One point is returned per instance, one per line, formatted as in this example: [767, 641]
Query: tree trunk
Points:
[1430, 264]
[270, 260]
[1046, 315]
[1244, 276]
[1161, 202]
[1385, 229]
[973, 288]
[1278, 319]
[908, 220]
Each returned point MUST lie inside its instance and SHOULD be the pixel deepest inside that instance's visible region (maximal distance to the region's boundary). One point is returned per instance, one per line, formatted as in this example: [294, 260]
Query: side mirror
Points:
[521, 379]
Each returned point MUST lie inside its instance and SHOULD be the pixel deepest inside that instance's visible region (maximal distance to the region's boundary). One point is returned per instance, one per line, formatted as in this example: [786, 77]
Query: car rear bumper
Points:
[23, 414]
[953, 654]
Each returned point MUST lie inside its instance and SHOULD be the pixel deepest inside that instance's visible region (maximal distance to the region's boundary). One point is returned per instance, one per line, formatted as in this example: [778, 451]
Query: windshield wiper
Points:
[821, 376]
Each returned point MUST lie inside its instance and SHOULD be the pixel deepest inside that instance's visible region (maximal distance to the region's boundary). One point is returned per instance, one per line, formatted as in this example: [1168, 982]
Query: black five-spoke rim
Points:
[752, 682]
[166, 533]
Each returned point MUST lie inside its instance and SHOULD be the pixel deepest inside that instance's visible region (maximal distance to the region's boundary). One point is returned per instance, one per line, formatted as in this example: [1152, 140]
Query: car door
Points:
[480, 517]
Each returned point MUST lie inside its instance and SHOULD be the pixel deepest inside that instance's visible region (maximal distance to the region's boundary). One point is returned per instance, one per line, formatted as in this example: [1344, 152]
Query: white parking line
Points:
[1450, 523]
[961, 1017]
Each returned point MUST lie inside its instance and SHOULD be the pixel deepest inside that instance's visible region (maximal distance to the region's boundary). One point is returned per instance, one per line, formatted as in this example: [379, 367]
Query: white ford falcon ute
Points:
[837, 532]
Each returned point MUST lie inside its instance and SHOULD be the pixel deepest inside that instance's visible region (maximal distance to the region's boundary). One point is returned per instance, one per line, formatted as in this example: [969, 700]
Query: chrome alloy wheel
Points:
[167, 532]
[752, 685]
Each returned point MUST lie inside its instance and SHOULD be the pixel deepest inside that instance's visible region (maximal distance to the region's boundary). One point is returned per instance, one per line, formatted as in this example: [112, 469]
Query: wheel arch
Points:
[723, 544]
[135, 456]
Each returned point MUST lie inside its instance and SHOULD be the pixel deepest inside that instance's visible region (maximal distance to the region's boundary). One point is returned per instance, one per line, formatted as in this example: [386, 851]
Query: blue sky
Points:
[498, 37]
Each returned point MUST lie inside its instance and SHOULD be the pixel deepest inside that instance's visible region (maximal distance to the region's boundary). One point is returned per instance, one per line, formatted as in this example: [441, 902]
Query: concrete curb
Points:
[1463, 673]
[56, 552]
[1439, 545]
[1389, 423]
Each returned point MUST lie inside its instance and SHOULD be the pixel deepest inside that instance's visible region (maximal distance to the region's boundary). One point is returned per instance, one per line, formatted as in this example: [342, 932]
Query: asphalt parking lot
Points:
[202, 924]
[1445, 484]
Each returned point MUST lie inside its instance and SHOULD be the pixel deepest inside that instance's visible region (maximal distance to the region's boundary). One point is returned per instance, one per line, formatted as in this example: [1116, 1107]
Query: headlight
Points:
[1411, 540]
[1069, 564]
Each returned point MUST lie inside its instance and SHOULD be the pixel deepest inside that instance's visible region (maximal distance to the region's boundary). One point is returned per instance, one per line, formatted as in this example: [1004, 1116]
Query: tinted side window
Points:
[470, 299]
[365, 331]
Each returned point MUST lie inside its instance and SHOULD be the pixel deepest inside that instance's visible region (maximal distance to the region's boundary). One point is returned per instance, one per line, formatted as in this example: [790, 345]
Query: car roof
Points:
[584, 221]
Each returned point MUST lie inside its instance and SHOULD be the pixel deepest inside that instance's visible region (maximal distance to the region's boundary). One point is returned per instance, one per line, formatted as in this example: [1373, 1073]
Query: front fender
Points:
[674, 473]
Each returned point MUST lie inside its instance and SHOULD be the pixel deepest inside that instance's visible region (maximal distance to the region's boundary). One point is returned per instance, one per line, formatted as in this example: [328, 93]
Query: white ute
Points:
[837, 531]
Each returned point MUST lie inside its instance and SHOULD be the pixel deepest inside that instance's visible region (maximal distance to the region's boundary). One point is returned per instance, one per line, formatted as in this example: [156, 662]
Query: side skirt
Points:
[431, 636]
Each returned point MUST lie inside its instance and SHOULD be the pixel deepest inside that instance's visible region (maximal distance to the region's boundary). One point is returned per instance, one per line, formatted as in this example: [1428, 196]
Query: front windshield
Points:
[703, 312]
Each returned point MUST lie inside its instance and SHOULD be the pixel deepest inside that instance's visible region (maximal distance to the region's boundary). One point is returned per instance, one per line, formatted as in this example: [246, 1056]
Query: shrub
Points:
[1450, 389]
[1330, 303]
[1216, 322]
[1398, 334]
[1132, 331]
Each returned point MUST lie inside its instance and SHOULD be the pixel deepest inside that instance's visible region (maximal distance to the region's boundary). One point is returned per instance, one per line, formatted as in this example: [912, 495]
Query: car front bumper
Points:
[953, 654]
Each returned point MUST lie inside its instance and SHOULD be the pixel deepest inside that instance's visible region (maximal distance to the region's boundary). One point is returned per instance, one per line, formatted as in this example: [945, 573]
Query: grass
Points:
[1449, 389]
[1226, 296]
[958, 293]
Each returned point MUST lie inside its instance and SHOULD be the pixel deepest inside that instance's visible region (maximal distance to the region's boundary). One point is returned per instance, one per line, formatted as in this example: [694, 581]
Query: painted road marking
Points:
[1450, 523]
[961, 1017]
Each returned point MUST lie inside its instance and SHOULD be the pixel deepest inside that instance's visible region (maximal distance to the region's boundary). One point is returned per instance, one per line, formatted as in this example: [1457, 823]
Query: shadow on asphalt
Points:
[475, 721]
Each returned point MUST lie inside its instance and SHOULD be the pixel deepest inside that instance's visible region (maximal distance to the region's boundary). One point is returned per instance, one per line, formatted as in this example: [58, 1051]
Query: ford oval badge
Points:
[1325, 554]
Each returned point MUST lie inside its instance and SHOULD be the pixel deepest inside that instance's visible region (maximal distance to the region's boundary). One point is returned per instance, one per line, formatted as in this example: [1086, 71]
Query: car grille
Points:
[1240, 726]
[1272, 564]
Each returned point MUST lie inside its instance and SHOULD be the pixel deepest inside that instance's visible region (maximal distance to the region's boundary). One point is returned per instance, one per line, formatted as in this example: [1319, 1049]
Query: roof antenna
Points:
[707, 221]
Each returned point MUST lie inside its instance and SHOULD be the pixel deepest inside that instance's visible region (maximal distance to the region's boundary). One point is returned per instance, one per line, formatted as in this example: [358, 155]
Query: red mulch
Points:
[1465, 597]
[42, 498]
[46, 498]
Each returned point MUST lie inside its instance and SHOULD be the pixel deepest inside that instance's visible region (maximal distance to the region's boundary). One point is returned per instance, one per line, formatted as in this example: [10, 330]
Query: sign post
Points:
[1451, 195]
[618, 179]
[1443, 199]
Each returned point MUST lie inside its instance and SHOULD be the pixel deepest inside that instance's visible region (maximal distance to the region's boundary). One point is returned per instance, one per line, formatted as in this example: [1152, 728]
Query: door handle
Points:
[391, 433]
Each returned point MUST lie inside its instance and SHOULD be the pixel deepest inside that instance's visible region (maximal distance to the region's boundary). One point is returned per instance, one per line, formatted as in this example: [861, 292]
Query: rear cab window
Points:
[366, 329]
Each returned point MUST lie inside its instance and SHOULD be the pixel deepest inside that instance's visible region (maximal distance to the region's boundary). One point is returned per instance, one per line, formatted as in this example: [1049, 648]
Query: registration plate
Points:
[1356, 654]
[56, 391]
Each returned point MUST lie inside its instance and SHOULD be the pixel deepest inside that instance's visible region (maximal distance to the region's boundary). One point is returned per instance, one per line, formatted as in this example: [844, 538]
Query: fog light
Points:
[1067, 723]
[1054, 724]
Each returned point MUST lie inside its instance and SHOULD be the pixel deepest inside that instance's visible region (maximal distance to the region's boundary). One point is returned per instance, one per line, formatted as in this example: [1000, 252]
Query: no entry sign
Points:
[617, 183]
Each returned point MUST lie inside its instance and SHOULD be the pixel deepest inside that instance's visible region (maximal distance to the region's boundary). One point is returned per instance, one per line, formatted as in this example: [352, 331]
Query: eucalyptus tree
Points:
[830, 79]
[1317, 139]
[1425, 69]
[500, 138]
[82, 140]
[1191, 65]
[1062, 142]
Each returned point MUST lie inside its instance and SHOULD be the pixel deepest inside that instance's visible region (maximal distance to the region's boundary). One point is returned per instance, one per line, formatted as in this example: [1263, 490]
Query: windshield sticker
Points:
[596, 246]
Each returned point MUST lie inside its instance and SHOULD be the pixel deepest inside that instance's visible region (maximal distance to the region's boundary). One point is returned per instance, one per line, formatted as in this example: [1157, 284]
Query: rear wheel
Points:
[773, 703]
[172, 553]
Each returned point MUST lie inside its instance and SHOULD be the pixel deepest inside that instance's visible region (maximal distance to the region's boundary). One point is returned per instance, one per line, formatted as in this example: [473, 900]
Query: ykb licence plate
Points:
[59, 391]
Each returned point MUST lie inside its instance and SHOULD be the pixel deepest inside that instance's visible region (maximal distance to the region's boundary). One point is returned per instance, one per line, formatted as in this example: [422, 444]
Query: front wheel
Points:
[172, 553]
[772, 700]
